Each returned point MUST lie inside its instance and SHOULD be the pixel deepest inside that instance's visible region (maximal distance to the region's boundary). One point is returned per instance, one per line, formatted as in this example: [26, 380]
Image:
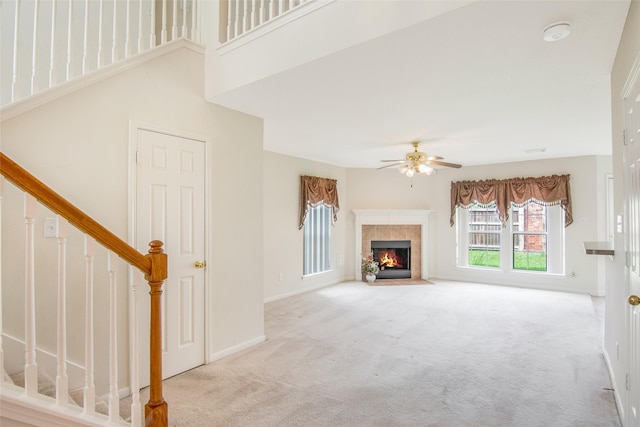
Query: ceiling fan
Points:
[418, 162]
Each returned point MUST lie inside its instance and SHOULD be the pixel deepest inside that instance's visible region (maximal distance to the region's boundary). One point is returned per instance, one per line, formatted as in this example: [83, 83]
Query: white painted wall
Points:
[616, 302]
[387, 189]
[78, 145]
[283, 242]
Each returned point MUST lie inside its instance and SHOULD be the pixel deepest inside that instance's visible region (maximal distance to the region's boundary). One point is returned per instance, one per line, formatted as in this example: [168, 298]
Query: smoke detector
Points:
[557, 31]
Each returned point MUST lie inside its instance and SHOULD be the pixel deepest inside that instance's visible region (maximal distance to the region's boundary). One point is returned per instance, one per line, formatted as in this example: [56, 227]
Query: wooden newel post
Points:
[156, 412]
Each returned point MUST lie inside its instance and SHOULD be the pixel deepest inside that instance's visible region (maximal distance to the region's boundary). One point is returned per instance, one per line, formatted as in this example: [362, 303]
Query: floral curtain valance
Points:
[546, 190]
[315, 191]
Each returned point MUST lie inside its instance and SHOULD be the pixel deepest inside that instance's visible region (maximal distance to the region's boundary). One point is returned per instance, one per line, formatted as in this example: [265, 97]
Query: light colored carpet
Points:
[448, 354]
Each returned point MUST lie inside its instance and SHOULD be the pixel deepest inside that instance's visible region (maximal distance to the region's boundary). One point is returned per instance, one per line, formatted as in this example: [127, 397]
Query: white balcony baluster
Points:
[127, 36]
[89, 381]
[70, 42]
[174, 20]
[163, 34]
[16, 29]
[114, 38]
[184, 18]
[30, 366]
[34, 49]
[100, 61]
[62, 379]
[85, 41]
[52, 54]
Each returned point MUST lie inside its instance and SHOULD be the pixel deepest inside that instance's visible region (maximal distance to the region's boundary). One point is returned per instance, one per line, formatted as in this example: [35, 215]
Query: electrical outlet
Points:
[281, 277]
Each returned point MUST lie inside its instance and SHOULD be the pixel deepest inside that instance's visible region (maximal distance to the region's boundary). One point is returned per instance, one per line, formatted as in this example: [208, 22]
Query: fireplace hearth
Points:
[394, 258]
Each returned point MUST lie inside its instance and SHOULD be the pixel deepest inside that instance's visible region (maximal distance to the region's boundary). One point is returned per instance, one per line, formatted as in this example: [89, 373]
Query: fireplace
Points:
[412, 225]
[394, 258]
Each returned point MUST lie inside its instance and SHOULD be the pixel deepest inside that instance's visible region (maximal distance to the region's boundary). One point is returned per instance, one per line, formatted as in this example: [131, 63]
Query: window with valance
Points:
[315, 191]
[505, 193]
[318, 208]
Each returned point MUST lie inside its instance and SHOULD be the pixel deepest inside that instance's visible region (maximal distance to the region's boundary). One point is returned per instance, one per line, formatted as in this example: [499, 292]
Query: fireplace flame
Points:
[389, 259]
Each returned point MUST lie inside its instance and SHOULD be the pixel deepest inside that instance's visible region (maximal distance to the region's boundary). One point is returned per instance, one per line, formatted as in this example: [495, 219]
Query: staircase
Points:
[38, 393]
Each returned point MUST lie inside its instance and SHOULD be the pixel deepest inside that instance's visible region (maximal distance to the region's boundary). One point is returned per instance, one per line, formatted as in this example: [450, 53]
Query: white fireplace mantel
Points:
[393, 217]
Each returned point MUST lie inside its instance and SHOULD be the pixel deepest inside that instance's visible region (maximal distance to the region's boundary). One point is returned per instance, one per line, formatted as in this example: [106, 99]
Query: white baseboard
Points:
[614, 385]
[236, 348]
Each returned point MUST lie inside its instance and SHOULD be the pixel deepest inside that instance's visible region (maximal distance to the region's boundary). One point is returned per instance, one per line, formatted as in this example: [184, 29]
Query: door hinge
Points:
[627, 382]
[624, 137]
[137, 157]
[627, 259]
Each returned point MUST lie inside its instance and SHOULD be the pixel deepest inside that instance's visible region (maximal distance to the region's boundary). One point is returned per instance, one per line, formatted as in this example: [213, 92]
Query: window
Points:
[533, 239]
[529, 232]
[317, 240]
[484, 236]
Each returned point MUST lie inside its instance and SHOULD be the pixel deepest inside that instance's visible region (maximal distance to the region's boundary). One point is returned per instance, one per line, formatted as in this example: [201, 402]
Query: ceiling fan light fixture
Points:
[556, 31]
[410, 173]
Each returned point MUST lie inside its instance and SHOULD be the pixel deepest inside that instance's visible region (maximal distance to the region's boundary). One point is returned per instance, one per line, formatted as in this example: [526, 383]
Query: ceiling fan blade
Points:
[392, 160]
[393, 164]
[439, 163]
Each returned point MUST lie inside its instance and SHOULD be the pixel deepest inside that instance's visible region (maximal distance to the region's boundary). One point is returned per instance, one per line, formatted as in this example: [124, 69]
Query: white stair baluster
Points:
[136, 407]
[34, 50]
[30, 367]
[89, 381]
[62, 379]
[114, 401]
[52, 56]
[69, 42]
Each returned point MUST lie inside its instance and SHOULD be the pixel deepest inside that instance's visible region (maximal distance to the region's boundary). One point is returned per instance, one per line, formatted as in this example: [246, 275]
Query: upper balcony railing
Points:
[48, 42]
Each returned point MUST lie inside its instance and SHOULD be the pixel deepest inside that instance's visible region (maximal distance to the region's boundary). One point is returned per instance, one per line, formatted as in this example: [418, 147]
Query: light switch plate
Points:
[50, 227]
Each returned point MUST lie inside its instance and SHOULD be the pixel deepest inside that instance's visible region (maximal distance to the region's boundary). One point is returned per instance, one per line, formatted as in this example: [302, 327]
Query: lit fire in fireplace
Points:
[389, 259]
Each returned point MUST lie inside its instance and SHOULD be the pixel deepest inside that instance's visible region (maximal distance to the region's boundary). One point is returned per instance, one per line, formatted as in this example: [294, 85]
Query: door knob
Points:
[200, 264]
[634, 300]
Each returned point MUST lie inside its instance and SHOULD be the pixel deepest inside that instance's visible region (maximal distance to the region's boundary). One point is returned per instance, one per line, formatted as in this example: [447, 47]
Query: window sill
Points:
[500, 270]
[315, 275]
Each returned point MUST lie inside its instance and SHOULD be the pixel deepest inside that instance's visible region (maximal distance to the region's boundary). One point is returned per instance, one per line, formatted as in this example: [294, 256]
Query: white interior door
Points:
[632, 245]
[170, 206]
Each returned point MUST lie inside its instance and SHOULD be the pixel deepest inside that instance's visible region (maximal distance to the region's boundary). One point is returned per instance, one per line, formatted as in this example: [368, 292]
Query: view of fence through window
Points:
[529, 237]
[484, 236]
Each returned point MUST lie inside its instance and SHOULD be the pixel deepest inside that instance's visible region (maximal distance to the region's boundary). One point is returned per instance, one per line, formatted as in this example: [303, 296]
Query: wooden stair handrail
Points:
[153, 265]
[58, 204]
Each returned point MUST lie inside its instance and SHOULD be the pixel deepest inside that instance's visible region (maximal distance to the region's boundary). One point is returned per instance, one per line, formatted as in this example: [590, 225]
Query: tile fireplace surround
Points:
[393, 226]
